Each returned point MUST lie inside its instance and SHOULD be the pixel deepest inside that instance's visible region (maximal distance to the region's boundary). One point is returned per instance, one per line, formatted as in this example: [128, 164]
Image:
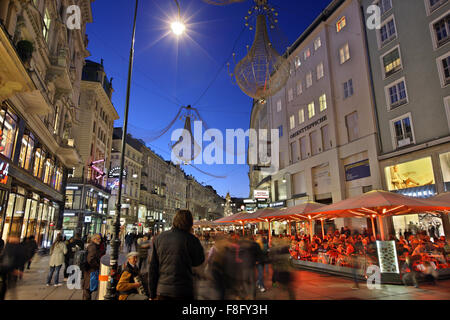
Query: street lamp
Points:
[178, 26]
[115, 242]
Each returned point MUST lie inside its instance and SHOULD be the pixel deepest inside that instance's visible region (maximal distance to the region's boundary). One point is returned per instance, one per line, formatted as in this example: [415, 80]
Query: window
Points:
[8, 133]
[56, 122]
[279, 106]
[301, 116]
[292, 122]
[298, 62]
[307, 53]
[299, 88]
[294, 152]
[444, 69]
[290, 94]
[280, 131]
[46, 25]
[385, 5]
[391, 62]
[397, 94]
[388, 32]
[317, 44]
[26, 151]
[48, 171]
[348, 88]
[315, 142]
[434, 4]
[309, 80]
[319, 71]
[323, 102]
[303, 148]
[95, 126]
[342, 22]
[402, 131]
[441, 31]
[311, 110]
[344, 54]
[351, 122]
[325, 138]
[39, 158]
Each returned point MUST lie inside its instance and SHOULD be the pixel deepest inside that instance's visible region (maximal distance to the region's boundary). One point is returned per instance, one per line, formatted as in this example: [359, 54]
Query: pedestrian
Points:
[174, 254]
[251, 254]
[12, 259]
[68, 257]
[408, 273]
[143, 246]
[129, 241]
[262, 262]
[129, 286]
[57, 252]
[92, 265]
[279, 257]
[31, 248]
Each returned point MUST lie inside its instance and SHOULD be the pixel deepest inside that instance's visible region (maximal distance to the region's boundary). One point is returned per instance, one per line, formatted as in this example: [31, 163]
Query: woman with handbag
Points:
[57, 252]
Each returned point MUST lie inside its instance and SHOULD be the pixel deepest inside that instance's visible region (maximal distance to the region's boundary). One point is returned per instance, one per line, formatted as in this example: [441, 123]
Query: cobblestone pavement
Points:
[308, 286]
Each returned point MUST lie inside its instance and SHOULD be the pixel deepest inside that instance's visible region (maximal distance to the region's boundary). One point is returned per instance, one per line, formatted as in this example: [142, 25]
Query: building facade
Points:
[412, 100]
[40, 76]
[87, 193]
[327, 131]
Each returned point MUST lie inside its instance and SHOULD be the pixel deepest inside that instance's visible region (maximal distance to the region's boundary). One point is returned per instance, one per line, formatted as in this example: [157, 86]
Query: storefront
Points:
[31, 182]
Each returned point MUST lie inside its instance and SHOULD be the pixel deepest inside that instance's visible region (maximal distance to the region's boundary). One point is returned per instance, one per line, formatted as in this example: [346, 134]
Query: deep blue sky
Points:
[169, 73]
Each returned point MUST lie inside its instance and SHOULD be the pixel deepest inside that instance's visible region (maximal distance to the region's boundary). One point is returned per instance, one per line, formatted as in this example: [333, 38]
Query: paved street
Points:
[309, 286]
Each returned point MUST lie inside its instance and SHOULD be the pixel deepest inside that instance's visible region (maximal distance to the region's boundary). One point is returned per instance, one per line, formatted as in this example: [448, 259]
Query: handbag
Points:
[93, 281]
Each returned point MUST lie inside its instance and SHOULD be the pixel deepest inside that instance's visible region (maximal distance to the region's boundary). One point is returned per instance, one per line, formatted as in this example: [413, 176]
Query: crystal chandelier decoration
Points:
[263, 71]
[222, 2]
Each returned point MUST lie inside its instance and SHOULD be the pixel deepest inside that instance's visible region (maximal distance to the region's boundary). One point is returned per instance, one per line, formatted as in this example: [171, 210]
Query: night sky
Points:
[169, 73]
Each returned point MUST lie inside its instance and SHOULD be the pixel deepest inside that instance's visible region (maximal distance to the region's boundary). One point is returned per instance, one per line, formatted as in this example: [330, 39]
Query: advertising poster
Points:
[411, 174]
[387, 256]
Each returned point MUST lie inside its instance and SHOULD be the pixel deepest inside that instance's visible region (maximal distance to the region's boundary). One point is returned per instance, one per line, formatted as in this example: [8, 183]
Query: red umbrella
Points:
[380, 204]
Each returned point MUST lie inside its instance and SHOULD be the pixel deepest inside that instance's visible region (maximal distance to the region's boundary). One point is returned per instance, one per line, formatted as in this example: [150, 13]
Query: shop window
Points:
[68, 204]
[26, 151]
[8, 121]
[39, 159]
[412, 174]
[48, 171]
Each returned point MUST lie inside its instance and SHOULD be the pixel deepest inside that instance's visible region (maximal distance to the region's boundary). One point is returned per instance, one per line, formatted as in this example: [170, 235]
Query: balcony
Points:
[68, 151]
[60, 72]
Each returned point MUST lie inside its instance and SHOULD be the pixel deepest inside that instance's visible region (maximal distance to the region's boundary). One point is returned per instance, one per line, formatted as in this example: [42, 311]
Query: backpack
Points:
[80, 259]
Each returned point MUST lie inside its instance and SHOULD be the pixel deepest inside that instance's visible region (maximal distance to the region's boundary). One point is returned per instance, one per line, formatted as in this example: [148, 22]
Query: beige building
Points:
[328, 141]
[203, 201]
[41, 65]
[175, 194]
[87, 193]
[132, 179]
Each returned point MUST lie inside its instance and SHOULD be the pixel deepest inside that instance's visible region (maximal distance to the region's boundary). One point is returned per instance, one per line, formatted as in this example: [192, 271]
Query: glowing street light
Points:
[178, 27]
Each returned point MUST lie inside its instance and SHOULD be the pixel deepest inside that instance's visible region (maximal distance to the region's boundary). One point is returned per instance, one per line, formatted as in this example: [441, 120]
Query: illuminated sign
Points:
[387, 255]
[88, 219]
[277, 204]
[261, 194]
[115, 173]
[4, 170]
[308, 127]
[249, 201]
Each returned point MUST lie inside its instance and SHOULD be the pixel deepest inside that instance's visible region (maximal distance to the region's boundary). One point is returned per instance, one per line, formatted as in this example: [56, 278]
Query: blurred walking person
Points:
[251, 255]
[143, 246]
[262, 262]
[57, 252]
[279, 257]
[31, 248]
[12, 260]
[174, 254]
[92, 265]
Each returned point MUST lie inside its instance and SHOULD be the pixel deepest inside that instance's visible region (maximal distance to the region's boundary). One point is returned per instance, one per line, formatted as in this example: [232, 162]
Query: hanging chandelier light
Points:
[222, 2]
[263, 71]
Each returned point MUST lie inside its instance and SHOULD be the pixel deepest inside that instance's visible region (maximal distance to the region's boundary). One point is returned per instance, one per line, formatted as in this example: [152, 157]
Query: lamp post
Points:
[115, 243]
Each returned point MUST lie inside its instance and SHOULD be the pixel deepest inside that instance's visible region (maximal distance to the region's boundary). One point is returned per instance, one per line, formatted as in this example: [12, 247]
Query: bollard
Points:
[104, 274]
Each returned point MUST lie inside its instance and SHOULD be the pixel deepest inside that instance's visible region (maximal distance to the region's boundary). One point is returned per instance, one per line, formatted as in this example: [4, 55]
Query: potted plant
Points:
[25, 50]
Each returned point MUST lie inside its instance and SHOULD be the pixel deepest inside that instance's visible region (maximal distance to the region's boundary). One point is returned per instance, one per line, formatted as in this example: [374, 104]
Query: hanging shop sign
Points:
[115, 173]
[261, 194]
[357, 170]
[308, 127]
[4, 171]
[249, 201]
[87, 219]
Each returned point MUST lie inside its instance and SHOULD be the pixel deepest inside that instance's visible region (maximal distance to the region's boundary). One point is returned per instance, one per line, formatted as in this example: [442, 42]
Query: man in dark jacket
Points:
[31, 248]
[92, 264]
[12, 261]
[174, 254]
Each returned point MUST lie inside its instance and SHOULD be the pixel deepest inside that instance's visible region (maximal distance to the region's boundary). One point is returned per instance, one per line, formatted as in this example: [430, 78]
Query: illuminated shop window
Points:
[8, 122]
[26, 151]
